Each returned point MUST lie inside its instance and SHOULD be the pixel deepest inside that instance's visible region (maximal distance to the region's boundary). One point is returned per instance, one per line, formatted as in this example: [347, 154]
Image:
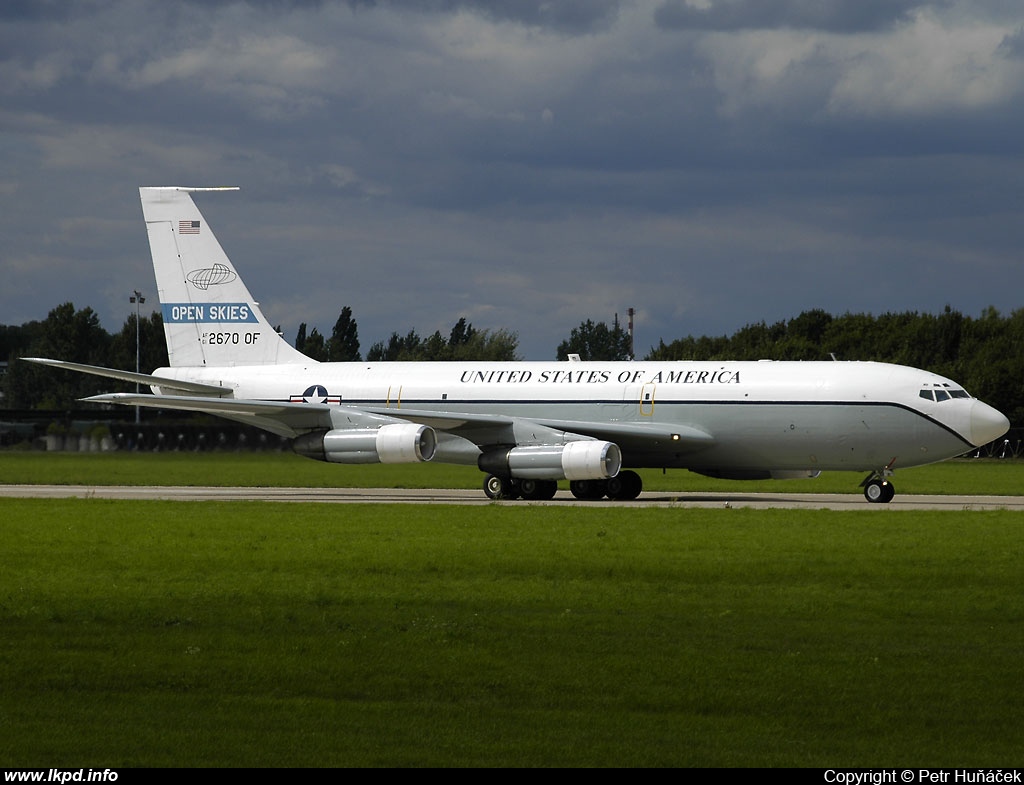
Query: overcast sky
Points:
[528, 165]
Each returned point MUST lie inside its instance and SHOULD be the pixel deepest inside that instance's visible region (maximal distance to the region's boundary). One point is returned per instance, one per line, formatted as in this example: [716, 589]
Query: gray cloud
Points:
[837, 16]
[527, 165]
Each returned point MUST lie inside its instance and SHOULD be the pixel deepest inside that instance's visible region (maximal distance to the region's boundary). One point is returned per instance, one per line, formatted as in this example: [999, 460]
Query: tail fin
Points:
[210, 318]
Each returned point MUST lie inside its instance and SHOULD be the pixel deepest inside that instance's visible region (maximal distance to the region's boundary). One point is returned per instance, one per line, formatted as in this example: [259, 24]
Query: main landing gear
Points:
[624, 486]
[512, 488]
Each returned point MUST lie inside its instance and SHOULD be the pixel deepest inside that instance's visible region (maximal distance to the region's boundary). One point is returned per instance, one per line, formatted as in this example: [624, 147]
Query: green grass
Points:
[991, 477]
[262, 634]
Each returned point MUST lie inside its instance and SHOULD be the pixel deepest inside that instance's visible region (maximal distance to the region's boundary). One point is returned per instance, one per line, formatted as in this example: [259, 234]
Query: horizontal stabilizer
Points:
[129, 376]
[281, 417]
[191, 403]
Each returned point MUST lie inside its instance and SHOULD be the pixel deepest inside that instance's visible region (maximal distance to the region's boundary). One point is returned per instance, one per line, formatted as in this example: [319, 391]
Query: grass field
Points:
[988, 476]
[258, 634]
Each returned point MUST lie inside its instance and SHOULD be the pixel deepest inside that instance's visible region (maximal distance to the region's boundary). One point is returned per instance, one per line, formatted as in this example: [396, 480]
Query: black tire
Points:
[879, 491]
[588, 490]
[625, 486]
[538, 490]
[497, 488]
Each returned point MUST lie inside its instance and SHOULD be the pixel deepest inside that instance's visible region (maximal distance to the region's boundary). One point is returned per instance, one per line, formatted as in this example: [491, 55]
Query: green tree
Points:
[809, 326]
[690, 348]
[802, 339]
[343, 345]
[596, 342]
[314, 346]
[465, 343]
[461, 335]
[434, 349]
[152, 349]
[15, 339]
[66, 334]
[397, 348]
[489, 345]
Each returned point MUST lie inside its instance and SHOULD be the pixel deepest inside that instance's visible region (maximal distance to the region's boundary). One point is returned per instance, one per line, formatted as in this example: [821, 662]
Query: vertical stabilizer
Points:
[210, 318]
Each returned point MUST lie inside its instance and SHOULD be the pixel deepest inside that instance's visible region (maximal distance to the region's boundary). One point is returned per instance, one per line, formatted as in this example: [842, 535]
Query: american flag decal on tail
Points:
[188, 227]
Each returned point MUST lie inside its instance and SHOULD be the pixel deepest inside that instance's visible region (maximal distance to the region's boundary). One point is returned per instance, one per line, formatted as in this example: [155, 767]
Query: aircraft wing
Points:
[493, 429]
[129, 376]
[640, 437]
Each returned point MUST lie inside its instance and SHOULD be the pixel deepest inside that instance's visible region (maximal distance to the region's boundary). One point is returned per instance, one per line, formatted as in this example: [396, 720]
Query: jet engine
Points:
[580, 460]
[394, 443]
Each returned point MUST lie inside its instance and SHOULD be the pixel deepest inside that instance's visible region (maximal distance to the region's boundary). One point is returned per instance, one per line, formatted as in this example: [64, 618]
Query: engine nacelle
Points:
[394, 443]
[581, 460]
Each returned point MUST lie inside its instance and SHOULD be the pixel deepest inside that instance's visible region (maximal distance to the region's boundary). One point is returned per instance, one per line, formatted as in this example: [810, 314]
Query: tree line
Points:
[76, 336]
[464, 342]
[985, 354]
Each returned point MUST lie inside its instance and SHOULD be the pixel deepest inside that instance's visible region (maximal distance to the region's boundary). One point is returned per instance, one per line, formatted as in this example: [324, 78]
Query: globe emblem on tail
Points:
[211, 276]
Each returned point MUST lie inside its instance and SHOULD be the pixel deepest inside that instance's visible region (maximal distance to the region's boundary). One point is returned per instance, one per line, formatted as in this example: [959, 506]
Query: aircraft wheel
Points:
[879, 491]
[625, 486]
[538, 490]
[588, 489]
[499, 487]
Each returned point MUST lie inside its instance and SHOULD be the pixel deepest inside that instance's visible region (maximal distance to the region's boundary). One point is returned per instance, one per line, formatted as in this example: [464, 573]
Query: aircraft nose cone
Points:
[987, 424]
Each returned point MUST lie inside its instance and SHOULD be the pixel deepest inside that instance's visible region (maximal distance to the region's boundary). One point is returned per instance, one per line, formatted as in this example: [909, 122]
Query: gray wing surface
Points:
[499, 429]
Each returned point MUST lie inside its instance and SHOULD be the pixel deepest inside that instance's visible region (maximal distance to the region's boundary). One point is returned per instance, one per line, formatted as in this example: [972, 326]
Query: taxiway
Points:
[824, 501]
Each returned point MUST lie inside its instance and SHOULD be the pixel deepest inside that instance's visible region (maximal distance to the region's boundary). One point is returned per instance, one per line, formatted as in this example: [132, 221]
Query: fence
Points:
[85, 431]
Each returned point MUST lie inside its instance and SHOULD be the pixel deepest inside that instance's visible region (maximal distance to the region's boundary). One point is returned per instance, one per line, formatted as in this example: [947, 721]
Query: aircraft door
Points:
[647, 400]
[641, 396]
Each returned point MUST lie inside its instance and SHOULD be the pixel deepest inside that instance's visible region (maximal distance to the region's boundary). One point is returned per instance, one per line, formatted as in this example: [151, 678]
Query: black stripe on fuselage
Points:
[451, 405]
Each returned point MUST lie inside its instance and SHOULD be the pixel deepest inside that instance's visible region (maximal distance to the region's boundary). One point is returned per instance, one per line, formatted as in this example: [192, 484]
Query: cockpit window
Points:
[943, 394]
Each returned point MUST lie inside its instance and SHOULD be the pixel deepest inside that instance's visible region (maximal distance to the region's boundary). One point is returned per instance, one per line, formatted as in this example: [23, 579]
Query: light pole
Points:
[138, 299]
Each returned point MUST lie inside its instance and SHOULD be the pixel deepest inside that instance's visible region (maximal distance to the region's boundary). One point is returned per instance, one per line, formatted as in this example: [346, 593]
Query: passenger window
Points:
[927, 395]
[941, 395]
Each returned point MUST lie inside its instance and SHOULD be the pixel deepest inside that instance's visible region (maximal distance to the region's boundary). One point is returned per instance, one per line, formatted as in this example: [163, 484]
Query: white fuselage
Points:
[735, 418]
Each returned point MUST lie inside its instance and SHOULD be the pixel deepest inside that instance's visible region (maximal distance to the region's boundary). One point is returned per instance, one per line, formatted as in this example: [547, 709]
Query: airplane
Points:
[528, 425]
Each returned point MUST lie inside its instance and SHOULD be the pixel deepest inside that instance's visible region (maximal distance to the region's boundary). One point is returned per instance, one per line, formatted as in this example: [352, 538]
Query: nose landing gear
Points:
[877, 488]
[878, 491]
